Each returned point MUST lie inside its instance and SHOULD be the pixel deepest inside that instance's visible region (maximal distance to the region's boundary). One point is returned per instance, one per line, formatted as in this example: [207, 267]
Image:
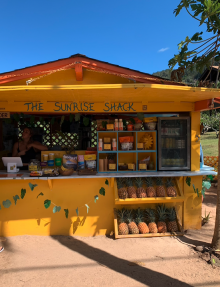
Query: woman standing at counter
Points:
[27, 148]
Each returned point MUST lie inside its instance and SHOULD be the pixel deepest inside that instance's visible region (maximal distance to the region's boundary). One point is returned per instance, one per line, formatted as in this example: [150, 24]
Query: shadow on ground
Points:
[140, 274]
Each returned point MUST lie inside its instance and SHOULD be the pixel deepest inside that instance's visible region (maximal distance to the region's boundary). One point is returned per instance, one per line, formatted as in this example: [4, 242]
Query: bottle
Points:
[116, 124]
[100, 145]
[114, 145]
[120, 125]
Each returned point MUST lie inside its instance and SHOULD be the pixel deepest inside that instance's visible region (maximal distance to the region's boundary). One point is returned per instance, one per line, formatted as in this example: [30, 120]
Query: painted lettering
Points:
[91, 107]
[106, 105]
[68, 107]
[130, 107]
[40, 107]
[75, 106]
[57, 105]
[126, 109]
[28, 104]
[86, 106]
[121, 107]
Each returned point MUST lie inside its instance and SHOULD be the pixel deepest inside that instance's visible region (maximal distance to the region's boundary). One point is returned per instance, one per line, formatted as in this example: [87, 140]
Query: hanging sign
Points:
[4, 115]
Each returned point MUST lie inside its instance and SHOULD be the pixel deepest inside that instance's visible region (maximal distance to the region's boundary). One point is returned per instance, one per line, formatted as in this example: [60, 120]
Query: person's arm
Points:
[38, 146]
[15, 152]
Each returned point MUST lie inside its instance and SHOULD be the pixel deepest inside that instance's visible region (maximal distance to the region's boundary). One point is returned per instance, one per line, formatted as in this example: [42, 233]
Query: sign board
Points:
[4, 115]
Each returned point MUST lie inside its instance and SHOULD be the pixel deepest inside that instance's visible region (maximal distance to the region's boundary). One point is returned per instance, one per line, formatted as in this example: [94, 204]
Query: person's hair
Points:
[31, 132]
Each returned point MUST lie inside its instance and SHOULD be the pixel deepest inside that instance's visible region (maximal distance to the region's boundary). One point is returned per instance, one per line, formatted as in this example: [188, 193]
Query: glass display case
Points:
[174, 140]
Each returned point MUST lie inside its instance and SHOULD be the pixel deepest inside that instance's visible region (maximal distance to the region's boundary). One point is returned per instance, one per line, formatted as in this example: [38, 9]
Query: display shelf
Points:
[180, 231]
[166, 199]
[125, 155]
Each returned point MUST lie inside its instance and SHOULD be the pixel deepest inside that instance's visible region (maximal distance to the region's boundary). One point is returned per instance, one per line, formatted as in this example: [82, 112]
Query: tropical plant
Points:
[206, 12]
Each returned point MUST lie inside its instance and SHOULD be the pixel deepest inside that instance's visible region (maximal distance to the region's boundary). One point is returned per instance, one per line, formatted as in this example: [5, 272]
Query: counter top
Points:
[25, 175]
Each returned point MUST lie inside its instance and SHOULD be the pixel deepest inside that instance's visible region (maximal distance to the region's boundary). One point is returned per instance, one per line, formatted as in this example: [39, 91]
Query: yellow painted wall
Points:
[29, 216]
[195, 144]
[192, 204]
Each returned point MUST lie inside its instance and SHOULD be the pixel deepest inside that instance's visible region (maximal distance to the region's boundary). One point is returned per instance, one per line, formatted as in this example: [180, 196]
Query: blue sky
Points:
[141, 34]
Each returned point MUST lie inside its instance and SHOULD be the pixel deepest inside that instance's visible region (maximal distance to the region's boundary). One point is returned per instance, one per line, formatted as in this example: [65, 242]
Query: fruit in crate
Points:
[171, 225]
[171, 190]
[151, 218]
[122, 190]
[131, 189]
[141, 192]
[150, 187]
[122, 227]
[160, 190]
[132, 226]
[142, 226]
[147, 140]
[162, 216]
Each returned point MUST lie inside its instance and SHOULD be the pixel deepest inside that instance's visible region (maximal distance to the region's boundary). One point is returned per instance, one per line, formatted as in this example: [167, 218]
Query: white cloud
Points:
[163, 50]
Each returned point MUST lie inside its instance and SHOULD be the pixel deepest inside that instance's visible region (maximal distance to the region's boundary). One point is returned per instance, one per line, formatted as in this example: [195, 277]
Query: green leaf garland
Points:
[96, 197]
[16, 197]
[40, 194]
[47, 203]
[66, 212]
[32, 186]
[56, 209]
[23, 192]
[6, 203]
[102, 191]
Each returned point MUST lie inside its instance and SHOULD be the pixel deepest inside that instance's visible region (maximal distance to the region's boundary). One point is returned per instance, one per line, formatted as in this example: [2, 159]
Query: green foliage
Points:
[131, 121]
[86, 121]
[104, 124]
[32, 119]
[77, 211]
[71, 117]
[66, 212]
[56, 209]
[23, 192]
[206, 218]
[96, 197]
[47, 203]
[16, 117]
[62, 120]
[210, 121]
[102, 191]
[206, 50]
[87, 207]
[188, 181]
[140, 116]
[40, 194]
[205, 185]
[77, 117]
[107, 182]
[6, 203]
[16, 197]
[32, 186]
[52, 121]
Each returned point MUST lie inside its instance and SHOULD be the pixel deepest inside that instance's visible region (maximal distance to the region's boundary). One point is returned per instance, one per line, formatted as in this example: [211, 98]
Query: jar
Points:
[51, 156]
[100, 145]
[120, 125]
[116, 124]
[114, 144]
[112, 166]
[34, 165]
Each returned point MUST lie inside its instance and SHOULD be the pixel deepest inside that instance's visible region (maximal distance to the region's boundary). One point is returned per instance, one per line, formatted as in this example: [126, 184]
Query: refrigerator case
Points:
[174, 143]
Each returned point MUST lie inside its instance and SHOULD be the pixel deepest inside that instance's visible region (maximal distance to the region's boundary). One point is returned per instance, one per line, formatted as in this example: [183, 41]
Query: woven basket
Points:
[66, 172]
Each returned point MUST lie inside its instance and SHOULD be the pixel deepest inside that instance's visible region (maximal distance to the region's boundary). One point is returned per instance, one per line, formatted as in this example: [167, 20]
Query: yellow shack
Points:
[134, 139]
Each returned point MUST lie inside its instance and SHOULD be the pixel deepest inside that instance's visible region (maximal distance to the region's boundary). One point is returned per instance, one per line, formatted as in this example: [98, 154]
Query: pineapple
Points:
[171, 225]
[132, 226]
[141, 192]
[171, 190]
[150, 214]
[150, 188]
[160, 190]
[162, 215]
[122, 191]
[122, 227]
[131, 189]
[142, 226]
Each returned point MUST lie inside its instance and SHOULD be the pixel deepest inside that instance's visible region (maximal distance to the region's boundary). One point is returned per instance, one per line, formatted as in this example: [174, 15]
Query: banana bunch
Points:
[63, 168]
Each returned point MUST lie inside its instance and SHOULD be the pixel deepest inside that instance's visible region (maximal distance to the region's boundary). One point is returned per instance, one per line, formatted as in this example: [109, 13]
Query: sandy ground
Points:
[102, 261]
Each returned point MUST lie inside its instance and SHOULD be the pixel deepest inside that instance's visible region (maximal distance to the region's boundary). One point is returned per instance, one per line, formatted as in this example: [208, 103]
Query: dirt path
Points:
[100, 261]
